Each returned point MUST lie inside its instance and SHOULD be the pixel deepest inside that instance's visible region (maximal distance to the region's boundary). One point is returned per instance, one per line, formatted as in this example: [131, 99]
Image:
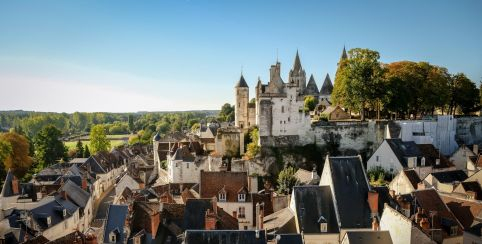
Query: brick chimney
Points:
[84, 184]
[210, 220]
[373, 203]
[375, 224]
[15, 186]
[425, 224]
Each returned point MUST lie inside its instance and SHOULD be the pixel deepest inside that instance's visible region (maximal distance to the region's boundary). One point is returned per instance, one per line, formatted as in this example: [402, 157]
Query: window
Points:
[222, 197]
[112, 237]
[282, 109]
[378, 158]
[323, 227]
[241, 212]
[453, 230]
[241, 197]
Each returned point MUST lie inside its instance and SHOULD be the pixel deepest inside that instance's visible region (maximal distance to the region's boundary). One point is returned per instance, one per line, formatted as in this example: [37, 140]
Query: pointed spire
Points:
[242, 82]
[327, 86]
[297, 64]
[343, 54]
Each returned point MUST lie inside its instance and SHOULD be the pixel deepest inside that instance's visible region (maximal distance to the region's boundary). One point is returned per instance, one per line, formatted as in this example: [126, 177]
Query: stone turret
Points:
[241, 104]
[312, 88]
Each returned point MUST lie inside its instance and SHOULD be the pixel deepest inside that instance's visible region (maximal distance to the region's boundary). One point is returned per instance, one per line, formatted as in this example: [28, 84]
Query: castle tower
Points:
[297, 76]
[241, 106]
[325, 91]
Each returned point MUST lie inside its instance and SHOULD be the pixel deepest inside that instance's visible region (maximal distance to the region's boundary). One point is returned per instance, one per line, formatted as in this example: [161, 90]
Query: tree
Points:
[86, 152]
[98, 139]
[17, 159]
[80, 149]
[310, 103]
[361, 81]
[286, 180]
[253, 148]
[464, 95]
[227, 113]
[48, 147]
[195, 127]
[131, 123]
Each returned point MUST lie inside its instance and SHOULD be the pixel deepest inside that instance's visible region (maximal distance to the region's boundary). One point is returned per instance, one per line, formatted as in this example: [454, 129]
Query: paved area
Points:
[104, 204]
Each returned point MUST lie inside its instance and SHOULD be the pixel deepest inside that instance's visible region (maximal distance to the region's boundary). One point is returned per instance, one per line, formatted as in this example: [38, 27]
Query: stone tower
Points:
[241, 106]
[297, 76]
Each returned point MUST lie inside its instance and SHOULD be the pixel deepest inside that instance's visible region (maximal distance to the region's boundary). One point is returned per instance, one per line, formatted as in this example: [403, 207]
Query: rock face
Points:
[469, 130]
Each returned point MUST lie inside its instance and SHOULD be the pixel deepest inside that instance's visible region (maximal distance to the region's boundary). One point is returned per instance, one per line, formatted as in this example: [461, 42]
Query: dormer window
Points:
[222, 197]
[64, 213]
[423, 161]
[241, 197]
[49, 220]
[112, 237]
[453, 230]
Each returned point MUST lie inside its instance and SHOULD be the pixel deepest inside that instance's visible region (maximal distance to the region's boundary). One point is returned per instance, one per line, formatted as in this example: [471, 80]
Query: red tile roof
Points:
[232, 182]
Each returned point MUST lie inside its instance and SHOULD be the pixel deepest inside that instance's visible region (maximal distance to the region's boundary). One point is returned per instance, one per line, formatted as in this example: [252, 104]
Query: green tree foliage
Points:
[79, 149]
[98, 139]
[253, 148]
[48, 147]
[131, 123]
[195, 127]
[227, 113]
[310, 103]
[286, 180]
[17, 158]
[464, 95]
[360, 81]
[86, 152]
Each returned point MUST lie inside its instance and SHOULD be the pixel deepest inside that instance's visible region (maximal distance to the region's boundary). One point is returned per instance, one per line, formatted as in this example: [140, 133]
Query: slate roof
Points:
[313, 203]
[412, 177]
[116, 217]
[212, 182]
[54, 210]
[450, 176]
[297, 63]
[306, 177]
[289, 239]
[473, 186]
[403, 149]
[183, 154]
[225, 236]
[76, 194]
[327, 87]
[311, 87]
[7, 190]
[369, 237]
[350, 190]
[464, 210]
[241, 82]
[431, 154]
[195, 212]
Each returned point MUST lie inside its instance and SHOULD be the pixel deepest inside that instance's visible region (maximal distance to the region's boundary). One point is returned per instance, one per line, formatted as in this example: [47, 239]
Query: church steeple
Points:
[343, 55]
[297, 75]
[297, 63]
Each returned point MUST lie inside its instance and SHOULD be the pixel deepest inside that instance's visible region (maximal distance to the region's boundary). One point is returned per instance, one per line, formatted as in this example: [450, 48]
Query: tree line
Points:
[402, 89]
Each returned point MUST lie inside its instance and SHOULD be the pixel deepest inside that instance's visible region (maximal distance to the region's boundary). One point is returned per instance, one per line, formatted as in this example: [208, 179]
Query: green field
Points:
[115, 140]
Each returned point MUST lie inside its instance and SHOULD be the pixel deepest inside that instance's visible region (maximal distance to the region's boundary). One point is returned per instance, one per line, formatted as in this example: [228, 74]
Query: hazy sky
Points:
[127, 56]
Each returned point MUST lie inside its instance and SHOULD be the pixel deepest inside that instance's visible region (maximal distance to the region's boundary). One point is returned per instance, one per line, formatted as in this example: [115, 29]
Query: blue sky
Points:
[127, 56]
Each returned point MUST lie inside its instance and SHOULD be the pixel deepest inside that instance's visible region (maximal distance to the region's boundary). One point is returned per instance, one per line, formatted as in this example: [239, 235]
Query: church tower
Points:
[241, 106]
[297, 76]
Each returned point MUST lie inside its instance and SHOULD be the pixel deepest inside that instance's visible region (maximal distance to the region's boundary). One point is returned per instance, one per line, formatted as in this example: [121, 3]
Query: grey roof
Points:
[450, 176]
[404, 149]
[343, 54]
[241, 82]
[76, 194]
[225, 236]
[327, 87]
[194, 213]
[311, 87]
[350, 190]
[289, 239]
[7, 190]
[314, 203]
[78, 160]
[157, 137]
[54, 210]
[369, 237]
[116, 218]
[281, 221]
[297, 63]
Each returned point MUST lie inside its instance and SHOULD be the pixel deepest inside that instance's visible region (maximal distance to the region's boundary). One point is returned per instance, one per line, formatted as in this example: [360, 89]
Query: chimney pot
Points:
[373, 202]
[375, 224]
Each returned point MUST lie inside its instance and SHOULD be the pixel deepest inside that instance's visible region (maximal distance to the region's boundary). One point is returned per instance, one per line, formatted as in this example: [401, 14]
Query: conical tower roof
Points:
[327, 87]
[312, 88]
[297, 63]
[343, 54]
[242, 82]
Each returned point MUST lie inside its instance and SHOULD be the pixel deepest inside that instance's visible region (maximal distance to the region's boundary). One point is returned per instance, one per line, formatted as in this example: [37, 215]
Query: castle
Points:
[278, 109]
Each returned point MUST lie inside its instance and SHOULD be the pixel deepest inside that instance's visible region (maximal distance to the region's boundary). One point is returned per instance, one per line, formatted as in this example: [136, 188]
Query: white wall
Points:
[386, 159]
[230, 207]
[63, 228]
[401, 185]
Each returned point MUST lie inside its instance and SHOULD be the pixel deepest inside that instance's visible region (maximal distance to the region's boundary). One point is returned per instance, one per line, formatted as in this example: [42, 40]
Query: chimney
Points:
[84, 184]
[373, 202]
[425, 224]
[210, 220]
[215, 205]
[15, 186]
[392, 193]
[375, 224]
[476, 149]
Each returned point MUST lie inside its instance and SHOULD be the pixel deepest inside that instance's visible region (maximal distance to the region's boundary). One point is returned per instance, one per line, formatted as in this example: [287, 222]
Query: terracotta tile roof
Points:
[232, 182]
[465, 210]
